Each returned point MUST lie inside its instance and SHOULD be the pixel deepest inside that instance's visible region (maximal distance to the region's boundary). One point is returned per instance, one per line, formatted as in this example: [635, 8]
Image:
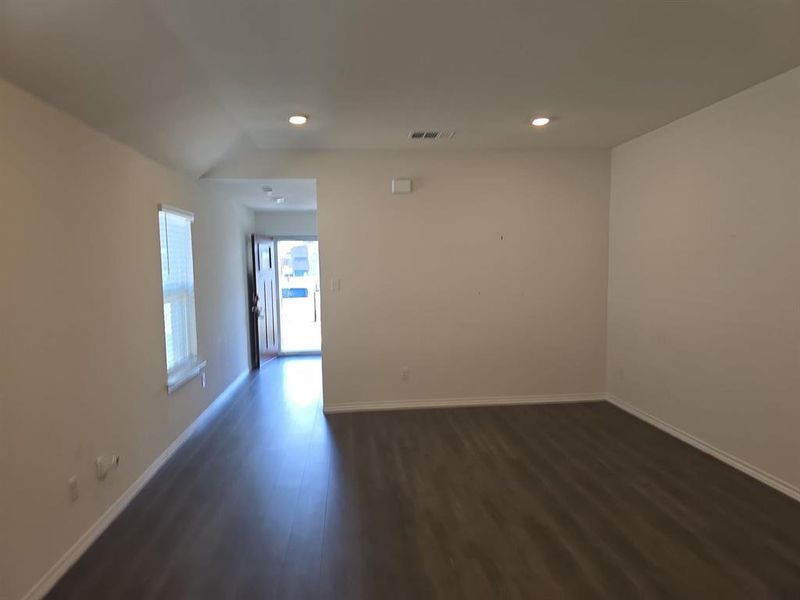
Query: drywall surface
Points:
[704, 287]
[283, 224]
[488, 280]
[82, 353]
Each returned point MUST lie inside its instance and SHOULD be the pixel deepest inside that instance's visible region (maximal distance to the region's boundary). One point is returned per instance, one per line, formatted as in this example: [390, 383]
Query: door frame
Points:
[295, 238]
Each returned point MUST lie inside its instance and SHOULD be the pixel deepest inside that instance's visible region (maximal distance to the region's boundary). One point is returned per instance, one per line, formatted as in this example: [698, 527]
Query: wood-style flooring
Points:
[272, 499]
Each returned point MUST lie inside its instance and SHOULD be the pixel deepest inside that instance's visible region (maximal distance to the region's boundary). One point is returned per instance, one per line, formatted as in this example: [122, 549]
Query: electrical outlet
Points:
[405, 373]
[104, 464]
[72, 488]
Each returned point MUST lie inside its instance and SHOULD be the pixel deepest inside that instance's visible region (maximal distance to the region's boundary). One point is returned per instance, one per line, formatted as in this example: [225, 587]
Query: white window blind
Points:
[177, 277]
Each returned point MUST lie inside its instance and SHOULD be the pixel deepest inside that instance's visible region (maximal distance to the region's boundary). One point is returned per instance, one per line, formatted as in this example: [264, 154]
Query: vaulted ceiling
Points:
[185, 80]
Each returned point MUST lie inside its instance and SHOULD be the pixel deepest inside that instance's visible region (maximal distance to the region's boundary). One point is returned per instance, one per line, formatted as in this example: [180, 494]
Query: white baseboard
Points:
[456, 402]
[70, 557]
[729, 459]
[46, 583]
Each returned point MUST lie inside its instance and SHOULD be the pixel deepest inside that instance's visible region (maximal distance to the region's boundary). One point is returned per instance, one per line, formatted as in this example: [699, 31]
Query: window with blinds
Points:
[177, 277]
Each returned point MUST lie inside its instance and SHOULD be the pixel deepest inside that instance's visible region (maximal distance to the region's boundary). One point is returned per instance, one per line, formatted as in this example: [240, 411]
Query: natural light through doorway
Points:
[298, 280]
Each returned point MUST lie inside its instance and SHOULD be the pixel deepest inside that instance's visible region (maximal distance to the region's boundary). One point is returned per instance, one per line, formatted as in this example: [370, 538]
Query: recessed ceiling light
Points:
[279, 200]
[298, 119]
[540, 121]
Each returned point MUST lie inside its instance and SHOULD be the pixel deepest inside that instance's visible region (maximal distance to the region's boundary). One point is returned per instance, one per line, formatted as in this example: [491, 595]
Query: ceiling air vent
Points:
[431, 135]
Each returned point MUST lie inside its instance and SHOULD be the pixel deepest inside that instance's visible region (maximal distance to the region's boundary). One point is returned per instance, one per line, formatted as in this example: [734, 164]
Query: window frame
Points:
[192, 365]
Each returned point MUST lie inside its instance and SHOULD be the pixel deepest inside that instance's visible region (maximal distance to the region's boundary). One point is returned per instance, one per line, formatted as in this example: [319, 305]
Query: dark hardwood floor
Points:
[274, 500]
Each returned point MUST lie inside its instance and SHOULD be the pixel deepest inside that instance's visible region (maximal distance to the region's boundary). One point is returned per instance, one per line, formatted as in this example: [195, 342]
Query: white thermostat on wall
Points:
[401, 186]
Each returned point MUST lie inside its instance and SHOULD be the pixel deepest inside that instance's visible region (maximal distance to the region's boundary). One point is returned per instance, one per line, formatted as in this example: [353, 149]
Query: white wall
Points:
[488, 280]
[81, 324]
[303, 223]
[704, 292]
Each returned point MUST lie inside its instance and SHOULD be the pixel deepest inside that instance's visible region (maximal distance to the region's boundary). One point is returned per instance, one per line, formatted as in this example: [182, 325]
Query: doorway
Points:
[299, 297]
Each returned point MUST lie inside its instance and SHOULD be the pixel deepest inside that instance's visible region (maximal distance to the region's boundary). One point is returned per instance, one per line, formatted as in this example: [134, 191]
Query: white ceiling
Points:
[298, 194]
[184, 80]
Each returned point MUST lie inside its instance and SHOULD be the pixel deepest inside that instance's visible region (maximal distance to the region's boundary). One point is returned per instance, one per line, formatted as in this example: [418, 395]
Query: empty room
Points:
[419, 299]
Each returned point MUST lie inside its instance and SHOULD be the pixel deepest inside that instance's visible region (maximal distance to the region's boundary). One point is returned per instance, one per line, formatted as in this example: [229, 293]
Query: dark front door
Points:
[263, 305]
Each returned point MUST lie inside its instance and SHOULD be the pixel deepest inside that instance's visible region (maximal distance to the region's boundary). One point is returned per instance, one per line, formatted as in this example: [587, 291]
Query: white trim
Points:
[183, 374]
[189, 216]
[456, 402]
[46, 583]
[729, 459]
[62, 565]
